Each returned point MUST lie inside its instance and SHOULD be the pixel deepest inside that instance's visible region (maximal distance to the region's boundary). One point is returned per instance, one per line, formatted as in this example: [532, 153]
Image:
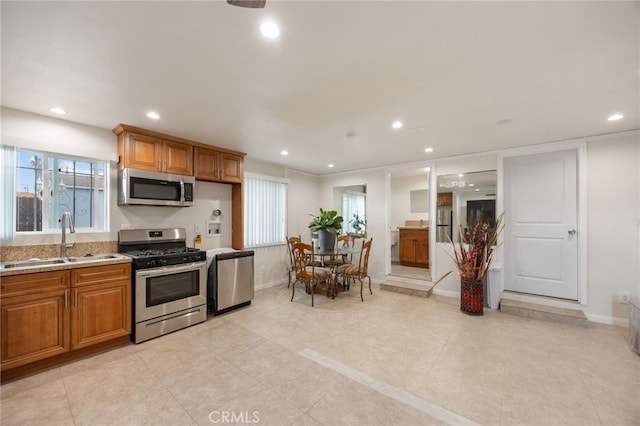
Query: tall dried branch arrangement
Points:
[474, 253]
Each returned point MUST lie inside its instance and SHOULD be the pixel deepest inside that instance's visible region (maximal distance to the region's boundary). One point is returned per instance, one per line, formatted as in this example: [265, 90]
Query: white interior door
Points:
[540, 245]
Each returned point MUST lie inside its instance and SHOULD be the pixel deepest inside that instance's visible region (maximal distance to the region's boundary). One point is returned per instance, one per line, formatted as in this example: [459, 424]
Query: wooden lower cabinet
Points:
[34, 327]
[47, 317]
[414, 247]
[101, 312]
[101, 304]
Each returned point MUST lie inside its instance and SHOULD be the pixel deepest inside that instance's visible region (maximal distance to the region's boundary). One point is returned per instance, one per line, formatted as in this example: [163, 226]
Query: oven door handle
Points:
[163, 270]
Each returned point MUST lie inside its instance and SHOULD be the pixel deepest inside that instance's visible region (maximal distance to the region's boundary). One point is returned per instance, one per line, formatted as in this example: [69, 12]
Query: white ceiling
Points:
[463, 76]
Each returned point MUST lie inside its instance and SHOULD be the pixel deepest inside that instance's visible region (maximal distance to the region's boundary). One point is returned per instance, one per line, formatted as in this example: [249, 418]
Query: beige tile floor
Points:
[410, 272]
[390, 360]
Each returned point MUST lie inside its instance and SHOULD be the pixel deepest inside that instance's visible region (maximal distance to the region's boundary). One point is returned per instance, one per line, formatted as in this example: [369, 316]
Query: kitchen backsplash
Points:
[45, 251]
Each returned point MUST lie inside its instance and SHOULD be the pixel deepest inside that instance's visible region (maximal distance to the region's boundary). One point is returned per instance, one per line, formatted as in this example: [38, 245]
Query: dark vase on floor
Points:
[471, 296]
[327, 240]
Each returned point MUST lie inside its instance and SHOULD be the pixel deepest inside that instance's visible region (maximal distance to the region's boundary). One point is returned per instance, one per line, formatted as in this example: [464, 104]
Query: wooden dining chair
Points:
[291, 268]
[352, 271]
[306, 271]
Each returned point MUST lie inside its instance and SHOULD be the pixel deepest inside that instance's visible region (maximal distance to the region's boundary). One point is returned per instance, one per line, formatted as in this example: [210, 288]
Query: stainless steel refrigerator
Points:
[444, 220]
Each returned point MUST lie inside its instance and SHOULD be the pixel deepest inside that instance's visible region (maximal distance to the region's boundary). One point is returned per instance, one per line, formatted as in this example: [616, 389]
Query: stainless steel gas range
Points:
[169, 281]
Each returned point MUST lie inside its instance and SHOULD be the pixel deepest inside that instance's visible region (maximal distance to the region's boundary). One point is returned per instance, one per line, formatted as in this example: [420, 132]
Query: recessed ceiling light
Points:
[477, 189]
[284, 152]
[472, 184]
[153, 115]
[330, 166]
[57, 110]
[428, 150]
[397, 124]
[615, 117]
[269, 29]
[460, 174]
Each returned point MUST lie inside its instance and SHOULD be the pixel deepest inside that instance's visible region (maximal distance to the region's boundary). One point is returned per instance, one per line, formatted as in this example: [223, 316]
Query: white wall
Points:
[304, 200]
[401, 188]
[376, 207]
[613, 219]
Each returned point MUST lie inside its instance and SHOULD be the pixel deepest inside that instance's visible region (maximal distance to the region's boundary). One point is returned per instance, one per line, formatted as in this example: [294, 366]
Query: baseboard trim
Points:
[605, 319]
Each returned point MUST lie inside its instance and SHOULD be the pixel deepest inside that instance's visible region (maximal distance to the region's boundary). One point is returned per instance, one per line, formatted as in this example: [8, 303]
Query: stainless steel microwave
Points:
[140, 187]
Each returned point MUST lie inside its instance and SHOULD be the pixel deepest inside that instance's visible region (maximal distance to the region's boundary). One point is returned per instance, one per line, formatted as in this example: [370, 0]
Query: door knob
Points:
[572, 232]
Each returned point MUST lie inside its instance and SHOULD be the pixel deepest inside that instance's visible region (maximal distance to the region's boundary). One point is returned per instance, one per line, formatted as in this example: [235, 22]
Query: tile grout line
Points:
[387, 389]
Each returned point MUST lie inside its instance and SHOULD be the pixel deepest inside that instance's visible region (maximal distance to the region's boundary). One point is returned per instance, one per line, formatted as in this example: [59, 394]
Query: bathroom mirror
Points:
[419, 200]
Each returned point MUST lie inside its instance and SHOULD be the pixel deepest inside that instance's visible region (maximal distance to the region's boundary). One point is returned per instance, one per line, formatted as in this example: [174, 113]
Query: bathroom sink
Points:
[31, 263]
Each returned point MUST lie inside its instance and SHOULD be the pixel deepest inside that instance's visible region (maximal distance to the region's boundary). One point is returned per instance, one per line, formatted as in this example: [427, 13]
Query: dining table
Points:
[327, 258]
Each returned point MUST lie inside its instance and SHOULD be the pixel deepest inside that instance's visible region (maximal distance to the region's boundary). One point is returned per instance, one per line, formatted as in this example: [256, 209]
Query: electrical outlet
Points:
[624, 297]
[197, 228]
[262, 270]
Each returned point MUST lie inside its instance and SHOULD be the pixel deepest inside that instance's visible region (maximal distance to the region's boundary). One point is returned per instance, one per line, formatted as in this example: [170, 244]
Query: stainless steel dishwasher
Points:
[230, 281]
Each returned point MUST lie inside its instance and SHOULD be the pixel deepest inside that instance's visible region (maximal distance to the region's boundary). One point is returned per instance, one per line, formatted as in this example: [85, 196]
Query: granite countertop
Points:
[58, 264]
[426, 227]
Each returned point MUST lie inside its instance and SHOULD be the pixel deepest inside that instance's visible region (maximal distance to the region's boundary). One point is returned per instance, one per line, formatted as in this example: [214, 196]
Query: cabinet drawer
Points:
[18, 285]
[100, 274]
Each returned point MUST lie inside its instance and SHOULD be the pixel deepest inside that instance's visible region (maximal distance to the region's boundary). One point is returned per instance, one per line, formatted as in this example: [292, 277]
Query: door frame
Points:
[580, 146]
[388, 171]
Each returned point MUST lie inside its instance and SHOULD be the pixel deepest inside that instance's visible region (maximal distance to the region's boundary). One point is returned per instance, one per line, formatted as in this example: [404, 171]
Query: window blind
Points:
[264, 211]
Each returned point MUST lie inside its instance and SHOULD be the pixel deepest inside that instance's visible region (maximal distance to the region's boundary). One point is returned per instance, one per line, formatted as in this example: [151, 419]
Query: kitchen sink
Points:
[92, 258]
[31, 263]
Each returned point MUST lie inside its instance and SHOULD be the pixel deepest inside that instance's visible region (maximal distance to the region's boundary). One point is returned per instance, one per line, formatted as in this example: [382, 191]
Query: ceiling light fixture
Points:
[57, 110]
[428, 150]
[284, 152]
[269, 29]
[330, 166]
[153, 115]
[397, 124]
[615, 117]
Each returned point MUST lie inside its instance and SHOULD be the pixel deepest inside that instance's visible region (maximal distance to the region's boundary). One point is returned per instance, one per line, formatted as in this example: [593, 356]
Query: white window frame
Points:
[47, 219]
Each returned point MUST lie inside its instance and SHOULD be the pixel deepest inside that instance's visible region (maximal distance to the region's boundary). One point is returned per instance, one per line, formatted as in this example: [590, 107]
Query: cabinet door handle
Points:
[66, 296]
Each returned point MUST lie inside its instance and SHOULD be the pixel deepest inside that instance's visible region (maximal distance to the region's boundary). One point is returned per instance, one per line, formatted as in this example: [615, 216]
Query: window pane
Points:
[47, 186]
[352, 203]
[29, 191]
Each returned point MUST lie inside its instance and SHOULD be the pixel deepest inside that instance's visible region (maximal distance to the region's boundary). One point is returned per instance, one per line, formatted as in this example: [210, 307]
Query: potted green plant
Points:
[327, 224]
[358, 224]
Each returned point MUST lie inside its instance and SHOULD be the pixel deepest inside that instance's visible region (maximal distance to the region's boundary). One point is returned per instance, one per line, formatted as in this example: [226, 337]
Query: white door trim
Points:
[580, 145]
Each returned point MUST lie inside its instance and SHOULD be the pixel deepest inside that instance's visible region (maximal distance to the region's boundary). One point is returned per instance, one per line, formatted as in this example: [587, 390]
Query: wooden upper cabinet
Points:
[178, 158]
[217, 166]
[444, 199]
[153, 152]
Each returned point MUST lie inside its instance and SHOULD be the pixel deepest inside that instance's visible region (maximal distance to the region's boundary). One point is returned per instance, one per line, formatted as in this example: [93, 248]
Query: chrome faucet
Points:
[72, 229]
